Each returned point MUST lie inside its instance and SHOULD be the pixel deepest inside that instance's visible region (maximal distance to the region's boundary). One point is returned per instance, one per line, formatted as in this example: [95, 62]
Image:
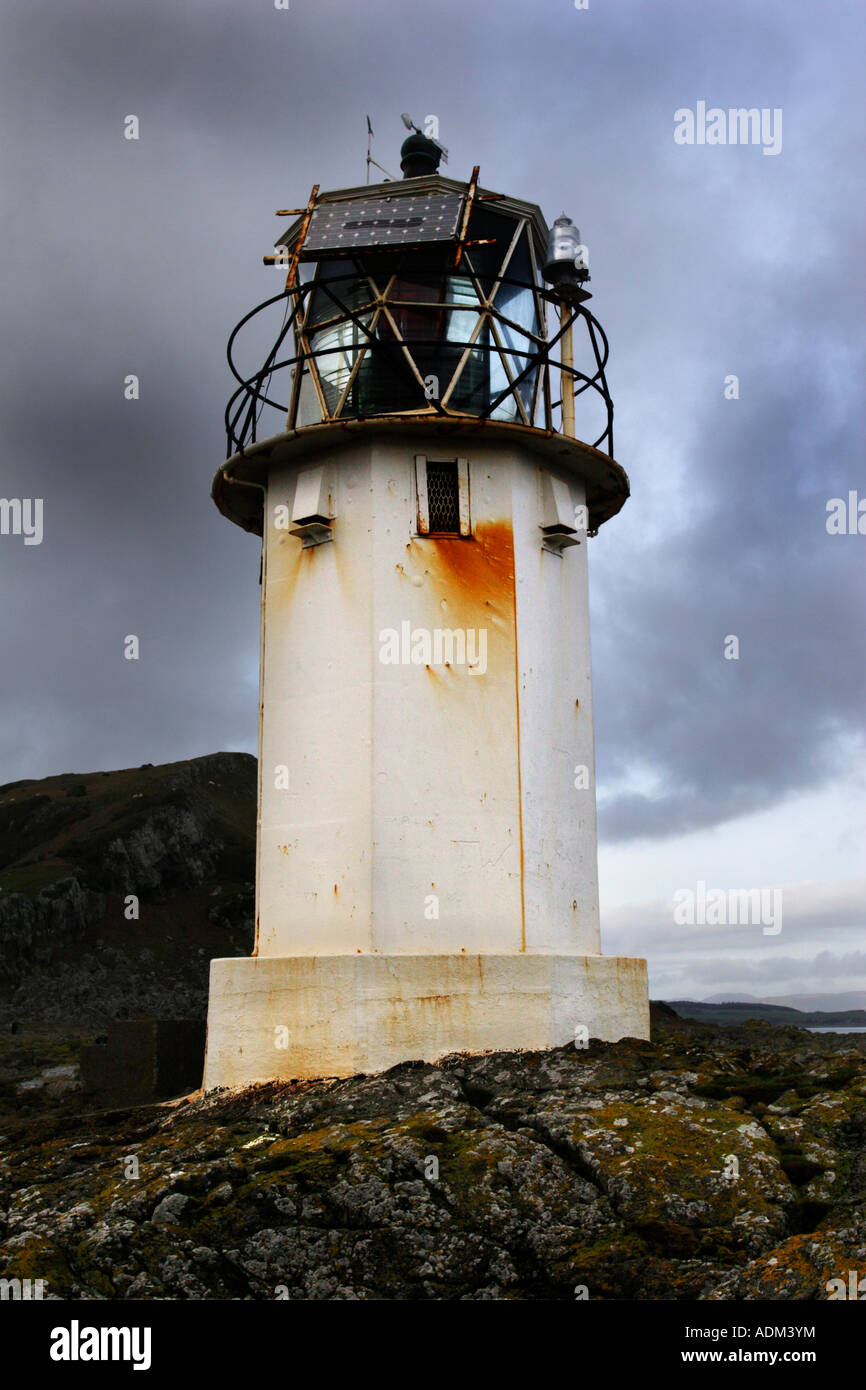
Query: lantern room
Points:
[450, 325]
[424, 297]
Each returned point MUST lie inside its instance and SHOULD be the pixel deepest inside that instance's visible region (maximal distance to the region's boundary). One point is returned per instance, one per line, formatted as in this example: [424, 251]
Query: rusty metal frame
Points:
[302, 236]
[297, 373]
[467, 213]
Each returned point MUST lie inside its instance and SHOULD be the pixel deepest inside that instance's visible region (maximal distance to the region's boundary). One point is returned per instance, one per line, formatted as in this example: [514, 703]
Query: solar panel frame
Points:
[365, 223]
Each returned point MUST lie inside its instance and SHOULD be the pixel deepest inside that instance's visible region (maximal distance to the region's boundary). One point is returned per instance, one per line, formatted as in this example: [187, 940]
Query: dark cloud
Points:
[138, 257]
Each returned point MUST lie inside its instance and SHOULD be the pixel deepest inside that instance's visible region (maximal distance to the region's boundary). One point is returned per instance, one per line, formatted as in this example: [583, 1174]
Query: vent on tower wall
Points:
[559, 529]
[311, 514]
[443, 496]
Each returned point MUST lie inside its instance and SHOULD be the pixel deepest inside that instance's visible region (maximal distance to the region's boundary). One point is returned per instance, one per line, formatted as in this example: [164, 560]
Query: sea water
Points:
[822, 1029]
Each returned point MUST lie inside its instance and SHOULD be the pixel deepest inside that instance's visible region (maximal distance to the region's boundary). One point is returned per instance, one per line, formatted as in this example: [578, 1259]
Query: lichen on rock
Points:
[504, 1176]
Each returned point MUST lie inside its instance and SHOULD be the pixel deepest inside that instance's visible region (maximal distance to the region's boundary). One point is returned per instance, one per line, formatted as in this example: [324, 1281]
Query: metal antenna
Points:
[370, 159]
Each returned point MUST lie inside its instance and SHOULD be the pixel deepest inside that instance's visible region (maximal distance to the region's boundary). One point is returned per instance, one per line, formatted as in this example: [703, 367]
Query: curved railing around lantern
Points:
[245, 406]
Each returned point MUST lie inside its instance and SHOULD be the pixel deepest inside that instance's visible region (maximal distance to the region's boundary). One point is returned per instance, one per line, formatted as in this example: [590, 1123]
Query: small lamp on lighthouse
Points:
[566, 270]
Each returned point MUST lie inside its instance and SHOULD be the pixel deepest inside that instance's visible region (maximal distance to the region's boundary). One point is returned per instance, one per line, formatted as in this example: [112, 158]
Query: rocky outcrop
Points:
[713, 1163]
[32, 930]
[76, 849]
[603, 1172]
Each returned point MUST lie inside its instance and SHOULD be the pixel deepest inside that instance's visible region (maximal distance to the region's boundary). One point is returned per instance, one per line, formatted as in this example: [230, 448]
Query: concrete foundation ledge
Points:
[277, 1018]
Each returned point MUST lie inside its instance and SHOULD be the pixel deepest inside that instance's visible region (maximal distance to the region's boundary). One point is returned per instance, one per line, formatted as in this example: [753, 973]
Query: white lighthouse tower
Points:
[427, 863]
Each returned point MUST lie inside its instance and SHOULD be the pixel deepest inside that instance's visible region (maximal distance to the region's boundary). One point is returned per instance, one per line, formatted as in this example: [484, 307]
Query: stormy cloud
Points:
[709, 262]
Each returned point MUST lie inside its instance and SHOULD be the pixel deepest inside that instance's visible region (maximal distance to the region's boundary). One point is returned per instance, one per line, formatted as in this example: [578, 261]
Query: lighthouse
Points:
[426, 878]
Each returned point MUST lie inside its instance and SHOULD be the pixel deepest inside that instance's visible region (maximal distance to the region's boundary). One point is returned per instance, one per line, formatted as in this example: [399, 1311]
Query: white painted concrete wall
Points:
[556, 728]
[407, 782]
[343, 1014]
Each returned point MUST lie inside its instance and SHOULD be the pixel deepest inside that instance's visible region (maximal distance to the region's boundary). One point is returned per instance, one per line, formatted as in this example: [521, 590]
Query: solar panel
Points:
[383, 221]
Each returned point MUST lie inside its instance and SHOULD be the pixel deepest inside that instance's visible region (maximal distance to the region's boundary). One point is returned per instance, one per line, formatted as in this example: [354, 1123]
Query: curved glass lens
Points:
[383, 337]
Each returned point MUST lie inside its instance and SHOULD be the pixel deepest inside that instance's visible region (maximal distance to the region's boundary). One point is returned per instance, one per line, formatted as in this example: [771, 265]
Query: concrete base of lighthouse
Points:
[310, 1016]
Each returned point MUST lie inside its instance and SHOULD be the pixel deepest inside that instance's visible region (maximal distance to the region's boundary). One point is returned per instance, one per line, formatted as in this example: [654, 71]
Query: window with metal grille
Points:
[443, 496]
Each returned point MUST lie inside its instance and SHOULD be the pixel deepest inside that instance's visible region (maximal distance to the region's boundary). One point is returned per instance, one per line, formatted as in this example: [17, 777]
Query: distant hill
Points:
[180, 837]
[842, 999]
[735, 1011]
[830, 1002]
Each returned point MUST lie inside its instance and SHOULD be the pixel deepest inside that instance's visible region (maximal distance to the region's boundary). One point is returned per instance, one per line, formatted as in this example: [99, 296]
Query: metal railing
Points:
[253, 394]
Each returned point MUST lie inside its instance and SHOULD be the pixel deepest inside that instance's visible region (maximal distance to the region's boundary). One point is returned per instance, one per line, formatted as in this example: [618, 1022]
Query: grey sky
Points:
[138, 257]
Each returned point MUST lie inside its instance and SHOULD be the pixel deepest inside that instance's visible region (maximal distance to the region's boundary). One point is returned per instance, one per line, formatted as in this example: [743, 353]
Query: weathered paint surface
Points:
[412, 782]
[347, 1014]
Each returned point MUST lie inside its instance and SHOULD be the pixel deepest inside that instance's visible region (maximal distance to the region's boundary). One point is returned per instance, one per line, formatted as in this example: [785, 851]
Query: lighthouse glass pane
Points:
[336, 348]
[495, 231]
[461, 321]
[507, 408]
[517, 303]
[471, 393]
[473, 390]
[385, 383]
[519, 357]
[347, 287]
[417, 303]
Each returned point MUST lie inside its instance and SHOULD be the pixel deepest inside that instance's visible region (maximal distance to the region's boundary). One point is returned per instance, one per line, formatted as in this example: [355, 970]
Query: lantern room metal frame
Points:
[369, 301]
